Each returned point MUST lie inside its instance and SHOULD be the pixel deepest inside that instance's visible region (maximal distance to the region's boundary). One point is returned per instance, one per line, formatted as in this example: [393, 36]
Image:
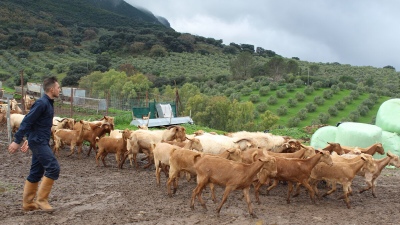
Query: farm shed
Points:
[386, 131]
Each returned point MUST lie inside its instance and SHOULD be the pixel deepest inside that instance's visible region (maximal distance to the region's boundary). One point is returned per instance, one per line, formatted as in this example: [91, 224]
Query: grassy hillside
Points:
[72, 39]
[341, 116]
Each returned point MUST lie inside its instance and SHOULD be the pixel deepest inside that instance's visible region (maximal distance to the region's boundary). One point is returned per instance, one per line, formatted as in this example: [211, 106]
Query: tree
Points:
[292, 66]
[268, 119]
[187, 91]
[389, 67]
[104, 59]
[129, 69]
[240, 114]
[275, 67]
[242, 66]
[158, 51]
[265, 53]
[247, 48]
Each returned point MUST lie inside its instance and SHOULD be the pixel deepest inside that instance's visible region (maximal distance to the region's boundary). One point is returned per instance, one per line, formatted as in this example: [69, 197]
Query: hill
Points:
[72, 39]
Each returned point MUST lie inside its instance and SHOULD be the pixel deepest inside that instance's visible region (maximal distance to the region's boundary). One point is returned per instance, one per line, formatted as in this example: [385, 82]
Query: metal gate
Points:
[5, 128]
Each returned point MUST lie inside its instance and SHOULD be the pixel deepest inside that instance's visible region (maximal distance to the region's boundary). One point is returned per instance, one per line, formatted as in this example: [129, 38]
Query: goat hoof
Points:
[254, 216]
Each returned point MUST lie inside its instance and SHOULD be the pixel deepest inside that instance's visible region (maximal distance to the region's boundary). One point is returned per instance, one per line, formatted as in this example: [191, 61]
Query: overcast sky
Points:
[356, 32]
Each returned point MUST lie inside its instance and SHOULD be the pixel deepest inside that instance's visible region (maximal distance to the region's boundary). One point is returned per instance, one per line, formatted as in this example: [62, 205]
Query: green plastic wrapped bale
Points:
[388, 116]
[390, 142]
[323, 135]
[358, 134]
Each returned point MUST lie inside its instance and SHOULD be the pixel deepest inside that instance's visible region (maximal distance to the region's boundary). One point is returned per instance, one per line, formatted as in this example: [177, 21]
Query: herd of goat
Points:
[235, 161]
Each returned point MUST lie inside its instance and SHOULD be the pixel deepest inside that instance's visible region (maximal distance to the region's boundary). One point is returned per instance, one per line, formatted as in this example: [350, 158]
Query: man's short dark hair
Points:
[49, 83]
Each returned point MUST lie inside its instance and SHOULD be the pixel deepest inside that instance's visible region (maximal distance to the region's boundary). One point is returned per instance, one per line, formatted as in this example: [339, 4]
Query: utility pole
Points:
[308, 72]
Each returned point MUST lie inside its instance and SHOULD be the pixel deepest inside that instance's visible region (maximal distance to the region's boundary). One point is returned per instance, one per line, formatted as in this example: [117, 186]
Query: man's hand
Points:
[25, 147]
[13, 147]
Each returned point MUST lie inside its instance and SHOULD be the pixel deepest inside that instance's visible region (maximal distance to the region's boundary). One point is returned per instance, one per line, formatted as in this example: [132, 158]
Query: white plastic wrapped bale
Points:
[323, 135]
[390, 142]
[358, 134]
[388, 117]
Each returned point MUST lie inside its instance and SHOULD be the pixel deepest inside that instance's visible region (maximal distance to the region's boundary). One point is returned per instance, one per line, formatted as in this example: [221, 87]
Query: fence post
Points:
[72, 103]
[8, 121]
[107, 101]
[22, 92]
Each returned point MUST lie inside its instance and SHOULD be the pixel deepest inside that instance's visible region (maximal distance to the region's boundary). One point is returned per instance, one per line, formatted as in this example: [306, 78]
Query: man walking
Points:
[36, 126]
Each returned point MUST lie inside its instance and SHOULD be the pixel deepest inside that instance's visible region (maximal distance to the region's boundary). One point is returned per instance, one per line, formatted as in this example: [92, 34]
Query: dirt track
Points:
[86, 194]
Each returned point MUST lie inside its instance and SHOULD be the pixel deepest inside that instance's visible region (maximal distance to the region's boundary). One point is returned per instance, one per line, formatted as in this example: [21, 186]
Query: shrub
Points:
[282, 110]
[373, 97]
[317, 85]
[254, 98]
[292, 102]
[368, 103]
[298, 83]
[262, 107]
[315, 122]
[239, 86]
[49, 66]
[255, 85]
[36, 47]
[229, 91]
[348, 99]
[235, 96]
[281, 93]
[59, 49]
[309, 90]
[300, 96]
[273, 86]
[354, 116]
[264, 91]
[333, 111]
[302, 114]
[272, 100]
[290, 87]
[23, 55]
[340, 105]
[264, 82]
[354, 94]
[363, 110]
[319, 100]
[341, 85]
[335, 88]
[311, 107]
[328, 94]
[245, 91]
[293, 122]
[323, 118]
[158, 51]
[350, 86]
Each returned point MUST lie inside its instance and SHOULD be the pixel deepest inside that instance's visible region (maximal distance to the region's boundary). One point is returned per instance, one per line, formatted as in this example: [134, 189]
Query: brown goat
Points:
[184, 160]
[72, 137]
[371, 150]
[294, 170]
[112, 145]
[232, 175]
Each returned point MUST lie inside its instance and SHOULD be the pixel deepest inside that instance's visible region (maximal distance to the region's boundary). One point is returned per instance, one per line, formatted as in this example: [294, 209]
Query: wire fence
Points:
[109, 103]
[5, 130]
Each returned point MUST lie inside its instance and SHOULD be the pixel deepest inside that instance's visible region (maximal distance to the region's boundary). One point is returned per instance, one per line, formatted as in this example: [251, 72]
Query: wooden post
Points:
[108, 99]
[72, 103]
[22, 92]
[8, 121]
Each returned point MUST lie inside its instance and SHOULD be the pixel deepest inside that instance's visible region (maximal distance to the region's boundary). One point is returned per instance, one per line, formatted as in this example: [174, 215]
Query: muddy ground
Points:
[87, 194]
